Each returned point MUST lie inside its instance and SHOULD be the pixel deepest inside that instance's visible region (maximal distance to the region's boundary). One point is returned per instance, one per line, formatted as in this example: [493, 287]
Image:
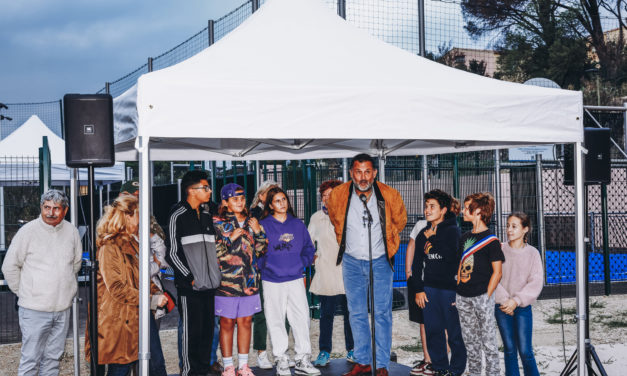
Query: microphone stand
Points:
[364, 200]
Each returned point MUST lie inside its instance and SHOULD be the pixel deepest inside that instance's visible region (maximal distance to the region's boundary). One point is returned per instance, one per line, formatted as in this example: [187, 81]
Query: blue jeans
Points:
[328, 305]
[216, 341]
[440, 314]
[120, 369]
[356, 282]
[516, 334]
[156, 364]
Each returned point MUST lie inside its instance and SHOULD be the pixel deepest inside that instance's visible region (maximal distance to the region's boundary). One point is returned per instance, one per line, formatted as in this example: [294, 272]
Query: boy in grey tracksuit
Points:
[192, 256]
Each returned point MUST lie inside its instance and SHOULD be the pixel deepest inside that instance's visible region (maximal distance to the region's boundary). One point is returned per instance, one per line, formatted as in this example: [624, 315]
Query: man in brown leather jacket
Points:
[347, 211]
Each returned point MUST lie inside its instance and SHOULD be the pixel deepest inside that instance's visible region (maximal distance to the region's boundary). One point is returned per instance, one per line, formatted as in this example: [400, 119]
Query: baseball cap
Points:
[130, 186]
[231, 190]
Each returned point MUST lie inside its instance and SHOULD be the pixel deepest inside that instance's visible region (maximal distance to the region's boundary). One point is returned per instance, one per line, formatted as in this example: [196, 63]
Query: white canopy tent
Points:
[26, 140]
[295, 81]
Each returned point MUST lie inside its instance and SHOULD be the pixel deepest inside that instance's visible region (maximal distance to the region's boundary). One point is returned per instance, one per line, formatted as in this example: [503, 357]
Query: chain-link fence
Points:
[516, 185]
[16, 114]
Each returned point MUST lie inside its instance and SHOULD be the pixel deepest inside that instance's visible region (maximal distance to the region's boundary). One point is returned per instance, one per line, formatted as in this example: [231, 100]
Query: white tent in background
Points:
[26, 140]
[295, 81]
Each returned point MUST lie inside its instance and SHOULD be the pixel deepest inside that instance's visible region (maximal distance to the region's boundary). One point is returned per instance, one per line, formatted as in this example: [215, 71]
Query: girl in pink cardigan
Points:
[519, 287]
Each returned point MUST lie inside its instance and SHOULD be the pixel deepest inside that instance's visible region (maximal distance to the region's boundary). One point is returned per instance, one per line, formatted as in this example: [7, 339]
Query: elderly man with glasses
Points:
[192, 256]
[40, 267]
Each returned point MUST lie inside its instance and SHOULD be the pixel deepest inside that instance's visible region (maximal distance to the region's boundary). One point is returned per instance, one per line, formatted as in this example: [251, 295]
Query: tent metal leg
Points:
[381, 174]
[76, 300]
[144, 253]
[581, 260]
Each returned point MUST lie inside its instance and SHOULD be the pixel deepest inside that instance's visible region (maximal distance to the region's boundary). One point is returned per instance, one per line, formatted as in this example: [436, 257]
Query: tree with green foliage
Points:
[537, 39]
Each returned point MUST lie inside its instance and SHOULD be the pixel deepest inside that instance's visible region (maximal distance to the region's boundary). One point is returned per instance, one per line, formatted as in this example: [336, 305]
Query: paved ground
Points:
[10, 333]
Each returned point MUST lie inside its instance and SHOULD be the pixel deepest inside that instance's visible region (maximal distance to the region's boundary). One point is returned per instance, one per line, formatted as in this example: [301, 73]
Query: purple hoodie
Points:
[290, 249]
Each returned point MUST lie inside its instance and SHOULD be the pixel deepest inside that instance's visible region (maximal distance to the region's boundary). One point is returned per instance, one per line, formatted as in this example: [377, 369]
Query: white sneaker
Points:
[304, 367]
[262, 360]
[291, 362]
[283, 367]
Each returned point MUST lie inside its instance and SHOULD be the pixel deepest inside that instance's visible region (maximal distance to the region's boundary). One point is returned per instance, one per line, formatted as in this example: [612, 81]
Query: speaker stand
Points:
[571, 365]
[93, 288]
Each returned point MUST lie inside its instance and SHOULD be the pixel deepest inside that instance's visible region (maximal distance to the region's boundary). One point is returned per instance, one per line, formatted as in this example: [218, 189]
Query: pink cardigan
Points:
[523, 276]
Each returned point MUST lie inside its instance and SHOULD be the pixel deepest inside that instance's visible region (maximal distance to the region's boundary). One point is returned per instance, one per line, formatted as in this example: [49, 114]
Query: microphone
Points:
[364, 200]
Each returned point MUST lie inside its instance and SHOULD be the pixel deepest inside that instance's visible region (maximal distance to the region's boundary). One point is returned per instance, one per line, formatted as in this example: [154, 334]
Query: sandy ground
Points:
[608, 331]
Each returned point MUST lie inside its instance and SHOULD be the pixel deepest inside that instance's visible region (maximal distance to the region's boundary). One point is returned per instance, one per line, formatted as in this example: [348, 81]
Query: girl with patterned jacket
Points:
[240, 240]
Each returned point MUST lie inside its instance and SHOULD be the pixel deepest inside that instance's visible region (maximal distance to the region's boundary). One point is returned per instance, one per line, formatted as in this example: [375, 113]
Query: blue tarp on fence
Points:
[560, 267]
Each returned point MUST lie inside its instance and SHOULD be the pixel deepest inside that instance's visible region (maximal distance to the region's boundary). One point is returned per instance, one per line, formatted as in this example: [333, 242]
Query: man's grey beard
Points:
[369, 187]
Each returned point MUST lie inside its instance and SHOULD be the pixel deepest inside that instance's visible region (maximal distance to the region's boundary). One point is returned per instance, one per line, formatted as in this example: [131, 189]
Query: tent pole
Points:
[257, 174]
[75, 300]
[144, 253]
[345, 169]
[581, 261]
[540, 210]
[100, 208]
[382, 169]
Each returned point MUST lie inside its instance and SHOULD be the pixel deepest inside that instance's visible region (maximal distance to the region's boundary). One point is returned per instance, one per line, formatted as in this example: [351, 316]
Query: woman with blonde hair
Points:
[118, 289]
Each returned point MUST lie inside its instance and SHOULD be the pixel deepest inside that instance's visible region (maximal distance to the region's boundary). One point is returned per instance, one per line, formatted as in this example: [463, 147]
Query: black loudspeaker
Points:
[596, 164]
[88, 130]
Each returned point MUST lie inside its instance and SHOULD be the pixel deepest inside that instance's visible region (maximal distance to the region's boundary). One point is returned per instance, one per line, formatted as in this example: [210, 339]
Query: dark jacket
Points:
[192, 249]
[392, 215]
[440, 256]
[238, 258]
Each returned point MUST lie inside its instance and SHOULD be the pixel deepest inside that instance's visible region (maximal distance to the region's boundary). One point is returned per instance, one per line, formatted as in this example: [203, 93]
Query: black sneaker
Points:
[443, 373]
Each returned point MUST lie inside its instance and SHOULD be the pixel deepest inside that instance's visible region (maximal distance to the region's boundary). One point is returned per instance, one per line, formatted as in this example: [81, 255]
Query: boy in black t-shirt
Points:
[477, 277]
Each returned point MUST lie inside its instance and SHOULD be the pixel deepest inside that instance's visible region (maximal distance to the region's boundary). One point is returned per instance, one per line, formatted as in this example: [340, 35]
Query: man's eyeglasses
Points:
[205, 187]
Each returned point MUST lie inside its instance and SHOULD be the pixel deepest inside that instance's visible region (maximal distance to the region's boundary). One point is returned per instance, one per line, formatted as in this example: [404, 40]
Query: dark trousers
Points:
[157, 361]
[440, 314]
[260, 330]
[120, 369]
[197, 322]
[328, 306]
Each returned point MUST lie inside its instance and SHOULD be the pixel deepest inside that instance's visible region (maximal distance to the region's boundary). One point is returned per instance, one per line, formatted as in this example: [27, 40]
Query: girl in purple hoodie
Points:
[290, 251]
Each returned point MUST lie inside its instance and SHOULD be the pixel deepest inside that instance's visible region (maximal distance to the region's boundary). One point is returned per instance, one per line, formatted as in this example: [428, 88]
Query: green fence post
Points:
[606, 237]
[215, 194]
[265, 170]
[306, 198]
[234, 168]
[283, 175]
[223, 173]
[245, 163]
[294, 186]
[455, 175]
[456, 182]
[44, 167]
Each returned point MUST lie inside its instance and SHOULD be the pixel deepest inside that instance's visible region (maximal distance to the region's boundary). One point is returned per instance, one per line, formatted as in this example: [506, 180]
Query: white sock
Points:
[242, 359]
[227, 361]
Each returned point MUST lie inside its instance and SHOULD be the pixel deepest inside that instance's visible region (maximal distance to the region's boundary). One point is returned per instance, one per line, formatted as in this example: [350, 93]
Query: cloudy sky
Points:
[49, 48]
